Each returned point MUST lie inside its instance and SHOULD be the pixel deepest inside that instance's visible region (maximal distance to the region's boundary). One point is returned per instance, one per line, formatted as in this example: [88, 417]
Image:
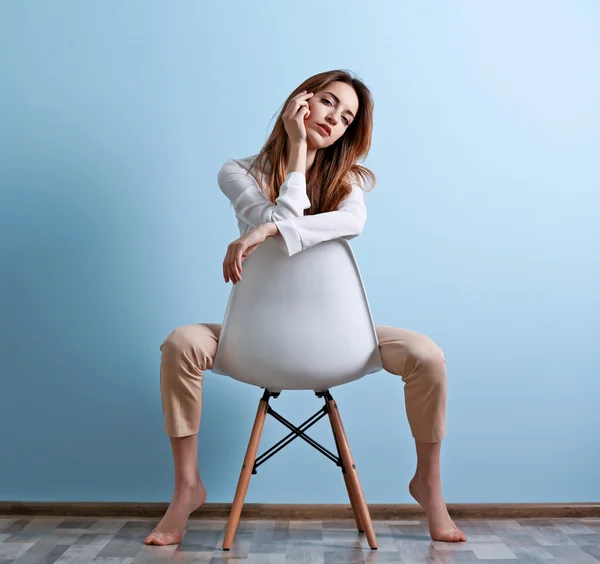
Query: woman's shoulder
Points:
[243, 162]
[235, 176]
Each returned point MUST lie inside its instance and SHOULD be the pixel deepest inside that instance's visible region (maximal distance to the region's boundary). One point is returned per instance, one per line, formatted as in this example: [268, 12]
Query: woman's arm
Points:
[300, 233]
[250, 203]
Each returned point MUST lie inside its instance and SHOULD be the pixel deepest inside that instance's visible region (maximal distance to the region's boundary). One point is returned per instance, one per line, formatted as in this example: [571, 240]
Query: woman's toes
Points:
[461, 536]
[146, 541]
[163, 539]
[454, 535]
[152, 537]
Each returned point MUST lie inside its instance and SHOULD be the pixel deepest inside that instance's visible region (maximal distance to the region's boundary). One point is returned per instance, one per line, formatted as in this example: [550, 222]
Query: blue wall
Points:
[483, 233]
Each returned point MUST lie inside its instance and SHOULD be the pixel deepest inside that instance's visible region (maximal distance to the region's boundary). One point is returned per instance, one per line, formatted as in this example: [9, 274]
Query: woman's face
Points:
[336, 106]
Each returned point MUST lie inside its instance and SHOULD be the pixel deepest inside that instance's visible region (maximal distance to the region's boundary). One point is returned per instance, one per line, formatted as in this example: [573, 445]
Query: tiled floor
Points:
[47, 540]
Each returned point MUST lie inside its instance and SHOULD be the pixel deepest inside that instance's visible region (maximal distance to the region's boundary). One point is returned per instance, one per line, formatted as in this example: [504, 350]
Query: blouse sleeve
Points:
[250, 203]
[297, 230]
[302, 232]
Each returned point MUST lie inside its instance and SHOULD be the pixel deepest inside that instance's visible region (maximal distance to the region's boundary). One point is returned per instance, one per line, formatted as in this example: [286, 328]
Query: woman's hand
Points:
[242, 248]
[294, 115]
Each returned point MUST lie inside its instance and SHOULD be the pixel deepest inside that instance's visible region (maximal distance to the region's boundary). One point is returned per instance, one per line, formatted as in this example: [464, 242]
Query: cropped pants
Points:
[190, 350]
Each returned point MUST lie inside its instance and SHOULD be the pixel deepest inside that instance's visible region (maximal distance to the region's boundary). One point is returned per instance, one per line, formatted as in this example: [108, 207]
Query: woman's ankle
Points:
[188, 484]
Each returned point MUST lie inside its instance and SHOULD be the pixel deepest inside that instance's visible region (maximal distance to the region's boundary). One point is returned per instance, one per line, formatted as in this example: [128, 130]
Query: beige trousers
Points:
[190, 350]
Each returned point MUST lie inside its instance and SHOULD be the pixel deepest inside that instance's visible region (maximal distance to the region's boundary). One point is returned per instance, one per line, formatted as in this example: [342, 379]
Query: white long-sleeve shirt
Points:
[298, 231]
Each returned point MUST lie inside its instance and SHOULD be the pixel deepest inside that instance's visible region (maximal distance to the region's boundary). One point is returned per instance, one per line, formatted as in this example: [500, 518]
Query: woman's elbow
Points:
[359, 224]
[356, 227]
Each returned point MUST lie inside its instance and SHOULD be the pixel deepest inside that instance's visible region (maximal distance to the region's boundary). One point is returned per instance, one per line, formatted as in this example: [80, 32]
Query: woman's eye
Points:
[346, 121]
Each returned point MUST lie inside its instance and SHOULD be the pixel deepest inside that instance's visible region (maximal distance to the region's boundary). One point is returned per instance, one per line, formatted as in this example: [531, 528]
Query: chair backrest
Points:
[301, 322]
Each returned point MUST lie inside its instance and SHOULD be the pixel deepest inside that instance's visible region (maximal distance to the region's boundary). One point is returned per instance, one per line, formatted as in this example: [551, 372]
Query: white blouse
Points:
[298, 231]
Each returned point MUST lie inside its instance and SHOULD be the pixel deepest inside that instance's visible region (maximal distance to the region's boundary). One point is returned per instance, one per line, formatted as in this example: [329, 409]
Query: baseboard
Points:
[318, 512]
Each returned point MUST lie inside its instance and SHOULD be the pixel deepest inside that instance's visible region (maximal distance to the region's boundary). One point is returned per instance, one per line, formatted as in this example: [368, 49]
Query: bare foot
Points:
[441, 525]
[171, 528]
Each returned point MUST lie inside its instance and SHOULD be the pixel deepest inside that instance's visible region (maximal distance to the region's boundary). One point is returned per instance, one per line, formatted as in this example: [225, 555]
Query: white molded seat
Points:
[298, 323]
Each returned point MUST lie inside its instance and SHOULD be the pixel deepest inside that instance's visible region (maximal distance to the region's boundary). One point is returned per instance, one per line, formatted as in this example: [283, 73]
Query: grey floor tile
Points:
[532, 554]
[593, 550]
[152, 554]
[449, 557]
[582, 540]
[113, 560]
[45, 551]
[13, 550]
[505, 525]
[200, 541]
[493, 551]
[75, 524]
[107, 526]
[519, 539]
[305, 552]
[16, 526]
[5, 522]
[343, 554]
[572, 527]
[548, 535]
[51, 540]
[571, 555]
[417, 551]
[196, 557]
[266, 559]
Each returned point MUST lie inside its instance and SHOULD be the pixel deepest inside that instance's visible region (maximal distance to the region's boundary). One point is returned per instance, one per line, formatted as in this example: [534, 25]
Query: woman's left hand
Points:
[242, 248]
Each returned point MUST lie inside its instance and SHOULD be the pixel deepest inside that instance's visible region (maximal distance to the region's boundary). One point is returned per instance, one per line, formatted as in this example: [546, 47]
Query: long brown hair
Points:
[335, 167]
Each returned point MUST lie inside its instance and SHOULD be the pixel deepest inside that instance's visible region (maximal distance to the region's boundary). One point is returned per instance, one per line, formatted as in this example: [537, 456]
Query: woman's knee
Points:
[430, 357]
[179, 339]
[430, 352]
[195, 342]
[406, 353]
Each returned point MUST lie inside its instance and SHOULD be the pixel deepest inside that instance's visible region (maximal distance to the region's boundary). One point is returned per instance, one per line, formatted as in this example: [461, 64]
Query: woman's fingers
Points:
[225, 273]
[232, 269]
[303, 110]
[300, 104]
[232, 265]
[296, 102]
[238, 259]
[237, 251]
[233, 275]
[227, 269]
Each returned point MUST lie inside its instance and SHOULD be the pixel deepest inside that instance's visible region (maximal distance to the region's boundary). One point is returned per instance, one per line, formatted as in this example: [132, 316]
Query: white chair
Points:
[299, 323]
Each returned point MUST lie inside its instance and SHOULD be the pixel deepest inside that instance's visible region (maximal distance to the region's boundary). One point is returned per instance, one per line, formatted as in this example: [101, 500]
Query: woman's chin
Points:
[315, 138]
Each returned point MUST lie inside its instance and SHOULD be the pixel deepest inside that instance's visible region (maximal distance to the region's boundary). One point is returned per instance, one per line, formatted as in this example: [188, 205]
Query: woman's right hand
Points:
[294, 115]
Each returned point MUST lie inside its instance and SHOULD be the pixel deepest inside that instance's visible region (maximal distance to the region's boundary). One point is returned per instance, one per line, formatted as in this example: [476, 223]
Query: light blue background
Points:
[483, 233]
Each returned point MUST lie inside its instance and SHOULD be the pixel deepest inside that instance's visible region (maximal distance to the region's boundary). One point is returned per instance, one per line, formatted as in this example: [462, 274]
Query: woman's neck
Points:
[310, 158]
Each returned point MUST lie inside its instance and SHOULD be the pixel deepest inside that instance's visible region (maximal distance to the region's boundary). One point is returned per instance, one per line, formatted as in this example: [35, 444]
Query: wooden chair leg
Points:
[353, 503]
[245, 475]
[351, 472]
[352, 497]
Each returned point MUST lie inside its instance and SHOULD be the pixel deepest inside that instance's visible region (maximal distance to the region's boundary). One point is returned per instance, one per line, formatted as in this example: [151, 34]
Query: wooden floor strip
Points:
[379, 511]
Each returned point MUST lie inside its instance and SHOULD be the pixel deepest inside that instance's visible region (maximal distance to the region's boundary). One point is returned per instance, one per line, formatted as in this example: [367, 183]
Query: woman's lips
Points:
[323, 130]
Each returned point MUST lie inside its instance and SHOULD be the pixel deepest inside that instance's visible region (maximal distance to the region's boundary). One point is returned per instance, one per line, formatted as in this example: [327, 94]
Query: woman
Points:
[306, 190]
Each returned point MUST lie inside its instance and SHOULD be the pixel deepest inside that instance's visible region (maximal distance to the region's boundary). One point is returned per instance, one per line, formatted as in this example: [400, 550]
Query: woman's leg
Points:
[422, 366]
[186, 353]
